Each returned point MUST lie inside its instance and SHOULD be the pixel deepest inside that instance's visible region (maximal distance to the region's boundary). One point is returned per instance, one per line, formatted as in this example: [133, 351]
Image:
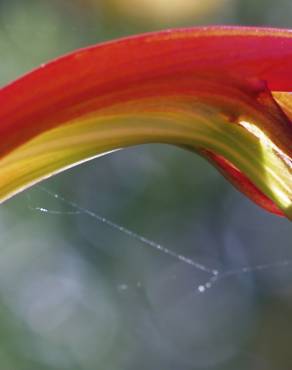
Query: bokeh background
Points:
[77, 293]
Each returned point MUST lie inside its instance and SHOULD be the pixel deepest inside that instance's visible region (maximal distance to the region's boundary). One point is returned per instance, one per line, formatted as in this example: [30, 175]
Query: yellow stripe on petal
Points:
[189, 124]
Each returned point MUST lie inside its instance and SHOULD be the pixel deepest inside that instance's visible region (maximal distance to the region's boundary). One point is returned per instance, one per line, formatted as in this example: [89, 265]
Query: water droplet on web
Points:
[122, 287]
[201, 288]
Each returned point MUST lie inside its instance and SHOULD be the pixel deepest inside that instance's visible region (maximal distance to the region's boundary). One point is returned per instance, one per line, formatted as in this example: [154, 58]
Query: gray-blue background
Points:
[76, 293]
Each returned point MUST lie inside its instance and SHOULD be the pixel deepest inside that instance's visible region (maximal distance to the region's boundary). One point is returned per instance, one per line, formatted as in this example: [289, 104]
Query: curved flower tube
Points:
[222, 92]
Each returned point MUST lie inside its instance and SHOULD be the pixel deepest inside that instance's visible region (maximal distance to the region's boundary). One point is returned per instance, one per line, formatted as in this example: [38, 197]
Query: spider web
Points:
[214, 276]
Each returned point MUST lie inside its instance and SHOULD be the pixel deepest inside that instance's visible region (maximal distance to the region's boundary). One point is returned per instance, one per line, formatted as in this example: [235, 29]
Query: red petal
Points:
[230, 69]
[241, 182]
[104, 70]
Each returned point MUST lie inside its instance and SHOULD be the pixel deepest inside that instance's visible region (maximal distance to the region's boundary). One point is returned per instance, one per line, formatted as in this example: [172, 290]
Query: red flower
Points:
[220, 91]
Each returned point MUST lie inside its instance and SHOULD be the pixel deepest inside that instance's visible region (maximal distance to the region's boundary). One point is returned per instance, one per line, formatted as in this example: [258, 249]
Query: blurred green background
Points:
[76, 293]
